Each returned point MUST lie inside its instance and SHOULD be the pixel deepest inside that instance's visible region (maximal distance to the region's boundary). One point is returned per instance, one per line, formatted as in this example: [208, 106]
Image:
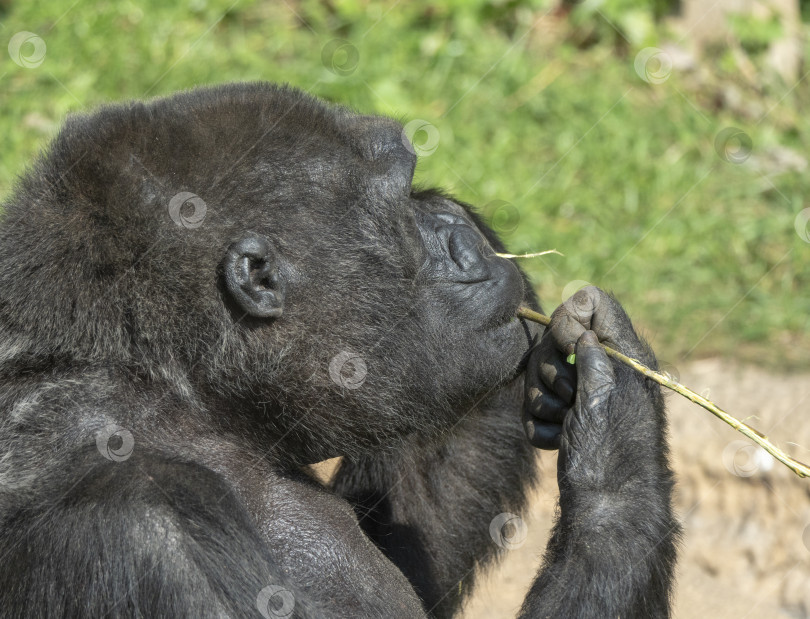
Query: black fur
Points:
[166, 371]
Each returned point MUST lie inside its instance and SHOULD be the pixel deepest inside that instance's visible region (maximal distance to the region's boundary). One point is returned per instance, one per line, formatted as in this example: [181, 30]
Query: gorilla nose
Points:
[457, 251]
[463, 246]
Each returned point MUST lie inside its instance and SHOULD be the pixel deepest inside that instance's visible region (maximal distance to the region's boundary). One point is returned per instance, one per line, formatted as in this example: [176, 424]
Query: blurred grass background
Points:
[543, 122]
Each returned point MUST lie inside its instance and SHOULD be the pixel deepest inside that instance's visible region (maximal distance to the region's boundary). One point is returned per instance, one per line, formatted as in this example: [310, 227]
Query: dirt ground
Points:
[746, 518]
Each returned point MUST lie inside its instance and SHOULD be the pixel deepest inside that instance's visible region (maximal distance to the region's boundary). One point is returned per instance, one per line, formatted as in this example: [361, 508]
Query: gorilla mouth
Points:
[472, 282]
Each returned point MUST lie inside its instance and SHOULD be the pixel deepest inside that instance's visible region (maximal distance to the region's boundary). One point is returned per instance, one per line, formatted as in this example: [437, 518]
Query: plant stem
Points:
[536, 254]
[801, 469]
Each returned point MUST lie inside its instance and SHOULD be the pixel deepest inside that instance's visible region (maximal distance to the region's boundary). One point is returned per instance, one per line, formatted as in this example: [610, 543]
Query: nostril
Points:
[457, 251]
[463, 248]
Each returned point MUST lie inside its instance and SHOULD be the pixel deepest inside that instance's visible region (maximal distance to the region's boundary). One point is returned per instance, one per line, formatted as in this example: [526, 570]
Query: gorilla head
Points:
[264, 256]
[240, 280]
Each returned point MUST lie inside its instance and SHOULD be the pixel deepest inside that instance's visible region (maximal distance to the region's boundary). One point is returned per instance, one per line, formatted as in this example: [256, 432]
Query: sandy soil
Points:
[746, 518]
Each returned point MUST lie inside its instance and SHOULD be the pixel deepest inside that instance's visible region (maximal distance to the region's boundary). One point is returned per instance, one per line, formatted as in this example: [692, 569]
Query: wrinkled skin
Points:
[170, 370]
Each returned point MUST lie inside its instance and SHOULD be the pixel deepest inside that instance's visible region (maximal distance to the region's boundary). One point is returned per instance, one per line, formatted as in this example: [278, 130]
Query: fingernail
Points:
[528, 427]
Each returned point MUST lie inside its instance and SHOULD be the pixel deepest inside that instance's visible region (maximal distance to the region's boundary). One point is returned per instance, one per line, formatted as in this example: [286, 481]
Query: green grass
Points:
[619, 175]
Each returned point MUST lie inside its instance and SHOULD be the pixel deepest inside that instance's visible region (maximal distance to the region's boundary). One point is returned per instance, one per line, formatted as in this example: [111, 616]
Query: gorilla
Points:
[202, 295]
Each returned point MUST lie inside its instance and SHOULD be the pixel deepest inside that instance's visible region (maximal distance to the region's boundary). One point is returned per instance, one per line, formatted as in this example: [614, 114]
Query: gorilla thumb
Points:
[595, 376]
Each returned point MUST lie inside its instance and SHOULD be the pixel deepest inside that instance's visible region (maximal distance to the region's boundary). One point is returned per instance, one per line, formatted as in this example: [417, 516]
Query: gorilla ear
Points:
[252, 279]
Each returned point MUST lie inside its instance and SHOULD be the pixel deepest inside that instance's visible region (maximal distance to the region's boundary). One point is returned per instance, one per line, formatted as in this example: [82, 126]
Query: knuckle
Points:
[583, 304]
[557, 315]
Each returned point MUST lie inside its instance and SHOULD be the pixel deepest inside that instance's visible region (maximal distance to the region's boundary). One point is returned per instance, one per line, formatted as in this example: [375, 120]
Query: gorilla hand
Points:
[615, 483]
[562, 399]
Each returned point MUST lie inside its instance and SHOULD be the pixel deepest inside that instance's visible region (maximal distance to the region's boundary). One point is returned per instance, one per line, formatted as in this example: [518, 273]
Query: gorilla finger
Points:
[533, 388]
[565, 329]
[559, 376]
[595, 375]
[543, 369]
[542, 435]
[609, 321]
[583, 304]
[548, 408]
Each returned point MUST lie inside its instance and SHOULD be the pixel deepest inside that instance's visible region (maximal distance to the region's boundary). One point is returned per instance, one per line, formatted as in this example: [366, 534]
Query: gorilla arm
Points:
[612, 550]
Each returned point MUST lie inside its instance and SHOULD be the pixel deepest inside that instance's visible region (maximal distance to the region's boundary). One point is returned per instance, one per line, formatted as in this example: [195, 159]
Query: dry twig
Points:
[533, 255]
